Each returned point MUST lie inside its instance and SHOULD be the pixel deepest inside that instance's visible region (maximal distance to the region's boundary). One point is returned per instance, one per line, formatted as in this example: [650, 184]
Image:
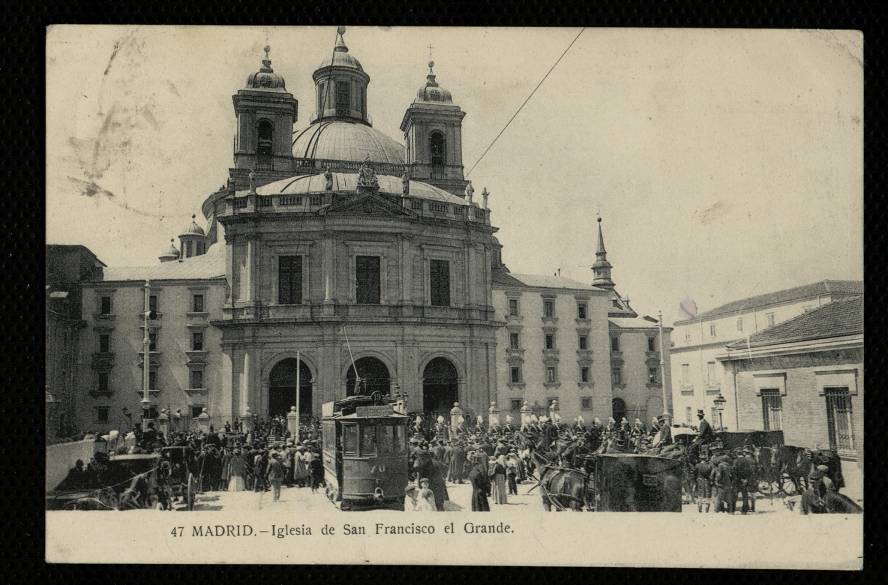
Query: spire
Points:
[340, 40]
[266, 63]
[601, 269]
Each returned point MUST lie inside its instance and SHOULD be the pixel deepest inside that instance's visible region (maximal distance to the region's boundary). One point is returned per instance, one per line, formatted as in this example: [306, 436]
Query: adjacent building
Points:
[700, 377]
[805, 377]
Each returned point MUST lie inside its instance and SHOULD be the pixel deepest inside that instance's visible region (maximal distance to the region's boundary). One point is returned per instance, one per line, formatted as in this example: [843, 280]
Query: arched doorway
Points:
[374, 377]
[439, 387]
[282, 387]
[618, 406]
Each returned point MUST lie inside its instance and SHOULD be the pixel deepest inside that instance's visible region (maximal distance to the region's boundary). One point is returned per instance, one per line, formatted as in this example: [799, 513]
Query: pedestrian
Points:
[745, 480]
[512, 466]
[723, 482]
[703, 488]
[480, 486]
[411, 503]
[456, 471]
[275, 475]
[498, 472]
[317, 470]
[259, 465]
[235, 472]
[425, 501]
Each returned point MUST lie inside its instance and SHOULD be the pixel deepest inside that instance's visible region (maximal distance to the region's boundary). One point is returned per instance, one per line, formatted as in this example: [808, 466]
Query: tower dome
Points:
[341, 85]
[341, 57]
[266, 78]
[431, 91]
[193, 229]
[170, 254]
[192, 240]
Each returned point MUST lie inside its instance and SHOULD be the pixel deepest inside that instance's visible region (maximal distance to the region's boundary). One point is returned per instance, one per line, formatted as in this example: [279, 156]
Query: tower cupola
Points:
[341, 85]
[601, 269]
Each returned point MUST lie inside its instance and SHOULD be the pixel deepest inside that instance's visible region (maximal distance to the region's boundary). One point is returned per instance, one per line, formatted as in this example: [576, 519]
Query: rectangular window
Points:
[102, 413]
[515, 404]
[197, 378]
[437, 207]
[710, 374]
[712, 332]
[386, 435]
[439, 282]
[713, 414]
[152, 380]
[197, 341]
[548, 309]
[104, 383]
[584, 374]
[399, 439]
[615, 344]
[106, 305]
[551, 374]
[196, 410]
[104, 343]
[367, 280]
[289, 280]
[513, 307]
[350, 439]
[772, 410]
[514, 341]
[515, 374]
[685, 374]
[550, 341]
[652, 344]
[152, 303]
[838, 420]
[368, 440]
[197, 303]
[770, 317]
[586, 403]
[583, 342]
[152, 341]
[617, 375]
[740, 324]
[653, 375]
[581, 310]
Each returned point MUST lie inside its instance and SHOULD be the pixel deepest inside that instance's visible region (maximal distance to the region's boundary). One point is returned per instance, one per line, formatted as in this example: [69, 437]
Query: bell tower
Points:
[265, 112]
[432, 127]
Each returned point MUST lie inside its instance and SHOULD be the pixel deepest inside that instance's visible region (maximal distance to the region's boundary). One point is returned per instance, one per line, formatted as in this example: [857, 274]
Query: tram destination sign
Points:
[370, 411]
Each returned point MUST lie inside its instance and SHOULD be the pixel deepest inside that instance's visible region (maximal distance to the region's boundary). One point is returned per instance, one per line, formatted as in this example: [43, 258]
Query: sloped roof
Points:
[503, 278]
[824, 287]
[634, 323]
[204, 267]
[836, 319]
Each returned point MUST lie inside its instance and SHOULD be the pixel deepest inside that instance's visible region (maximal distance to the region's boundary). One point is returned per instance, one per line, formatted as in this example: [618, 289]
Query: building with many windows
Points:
[699, 376]
[805, 377]
[338, 260]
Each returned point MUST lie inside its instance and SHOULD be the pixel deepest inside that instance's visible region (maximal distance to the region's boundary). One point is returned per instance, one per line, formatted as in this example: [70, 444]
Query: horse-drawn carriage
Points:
[160, 480]
[364, 453]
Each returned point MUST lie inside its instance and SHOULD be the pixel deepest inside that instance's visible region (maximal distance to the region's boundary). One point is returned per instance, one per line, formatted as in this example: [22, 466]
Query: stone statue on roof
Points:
[367, 176]
[328, 179]
[405, 183]
[252, 181]
[470, 191]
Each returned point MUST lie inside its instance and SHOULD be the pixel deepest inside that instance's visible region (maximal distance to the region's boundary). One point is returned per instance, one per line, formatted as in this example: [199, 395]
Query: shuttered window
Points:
[772, 410]
[367, 280]
[290, 280]
[838, 420]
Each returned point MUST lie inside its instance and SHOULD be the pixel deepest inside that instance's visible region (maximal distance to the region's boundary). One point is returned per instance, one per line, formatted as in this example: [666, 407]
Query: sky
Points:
[724, 163]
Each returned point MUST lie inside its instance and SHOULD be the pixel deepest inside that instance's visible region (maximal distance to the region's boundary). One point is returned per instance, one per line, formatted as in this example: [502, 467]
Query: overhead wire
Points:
[527, 99]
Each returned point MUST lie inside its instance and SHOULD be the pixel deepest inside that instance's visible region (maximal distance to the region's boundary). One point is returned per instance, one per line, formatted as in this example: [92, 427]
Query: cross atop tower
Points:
[430, 51]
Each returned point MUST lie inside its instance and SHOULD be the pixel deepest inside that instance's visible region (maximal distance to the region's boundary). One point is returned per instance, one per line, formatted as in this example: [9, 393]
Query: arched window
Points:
[265, 132]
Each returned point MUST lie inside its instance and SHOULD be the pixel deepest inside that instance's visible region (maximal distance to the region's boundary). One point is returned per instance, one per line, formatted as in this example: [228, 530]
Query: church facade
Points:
[335, 260]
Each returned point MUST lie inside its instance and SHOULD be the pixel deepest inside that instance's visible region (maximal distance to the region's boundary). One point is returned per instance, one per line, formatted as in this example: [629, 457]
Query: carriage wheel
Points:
[189, 494]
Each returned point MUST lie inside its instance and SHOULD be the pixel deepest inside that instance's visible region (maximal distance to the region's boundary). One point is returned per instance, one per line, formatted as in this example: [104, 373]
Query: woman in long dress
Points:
[410, 500]
[236, 473]
[425, 501]
[300, 469]
[500, 494]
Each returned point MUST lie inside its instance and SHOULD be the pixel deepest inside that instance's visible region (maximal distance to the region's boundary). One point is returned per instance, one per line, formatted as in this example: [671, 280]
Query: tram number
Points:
[650, 480]
[377, 468]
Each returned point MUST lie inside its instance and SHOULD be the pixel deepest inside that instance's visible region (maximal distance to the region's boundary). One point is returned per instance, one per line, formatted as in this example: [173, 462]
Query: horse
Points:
[561, 487]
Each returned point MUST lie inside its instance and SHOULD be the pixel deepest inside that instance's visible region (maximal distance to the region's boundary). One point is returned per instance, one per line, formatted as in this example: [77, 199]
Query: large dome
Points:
[346, 140]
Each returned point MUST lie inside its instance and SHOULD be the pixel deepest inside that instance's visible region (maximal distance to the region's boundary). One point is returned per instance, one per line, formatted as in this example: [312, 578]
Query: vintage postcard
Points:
[492, 296]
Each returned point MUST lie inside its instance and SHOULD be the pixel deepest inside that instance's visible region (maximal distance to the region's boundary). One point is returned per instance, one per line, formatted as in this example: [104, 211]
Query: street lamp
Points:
[719, 403]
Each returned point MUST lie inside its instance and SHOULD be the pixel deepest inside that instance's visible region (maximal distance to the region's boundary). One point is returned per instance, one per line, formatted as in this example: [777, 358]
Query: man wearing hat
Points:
[275, 475]
[745, 480]
[703, 483]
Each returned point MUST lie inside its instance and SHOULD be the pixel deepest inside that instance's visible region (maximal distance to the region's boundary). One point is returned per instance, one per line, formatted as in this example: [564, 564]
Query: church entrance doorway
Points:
[439, 388]
[619, 409]
[373, 374]
[282, 387]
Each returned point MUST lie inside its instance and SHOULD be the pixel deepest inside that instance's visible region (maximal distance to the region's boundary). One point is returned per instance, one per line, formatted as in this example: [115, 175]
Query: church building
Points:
[338, 260]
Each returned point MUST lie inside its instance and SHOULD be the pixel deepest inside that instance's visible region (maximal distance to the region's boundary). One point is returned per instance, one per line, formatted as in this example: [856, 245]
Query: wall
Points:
[643, 399]
[61, 457]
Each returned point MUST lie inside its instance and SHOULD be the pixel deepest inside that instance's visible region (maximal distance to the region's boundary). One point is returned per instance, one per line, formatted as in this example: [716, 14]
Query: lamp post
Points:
[146, 362]
[662, 372]
[719, 403]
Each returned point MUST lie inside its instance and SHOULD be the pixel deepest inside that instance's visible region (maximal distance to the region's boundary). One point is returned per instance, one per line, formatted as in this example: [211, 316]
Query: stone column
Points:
[293, 424]
[456, 413]
[203, 421]
[493, 415]
[163, 421]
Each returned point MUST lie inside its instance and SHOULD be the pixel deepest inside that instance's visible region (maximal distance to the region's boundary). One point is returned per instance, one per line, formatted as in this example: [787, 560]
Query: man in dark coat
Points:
[480, 487]
[745, 480]
[456, 473]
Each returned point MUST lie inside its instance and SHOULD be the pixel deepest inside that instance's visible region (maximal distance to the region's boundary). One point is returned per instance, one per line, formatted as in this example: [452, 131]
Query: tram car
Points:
[365, 452]
[625, 482]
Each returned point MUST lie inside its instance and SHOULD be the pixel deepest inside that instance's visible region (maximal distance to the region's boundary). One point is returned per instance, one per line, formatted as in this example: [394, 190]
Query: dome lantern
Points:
[341, 85]
[266, 78]
[192, 240]
[171, 253]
